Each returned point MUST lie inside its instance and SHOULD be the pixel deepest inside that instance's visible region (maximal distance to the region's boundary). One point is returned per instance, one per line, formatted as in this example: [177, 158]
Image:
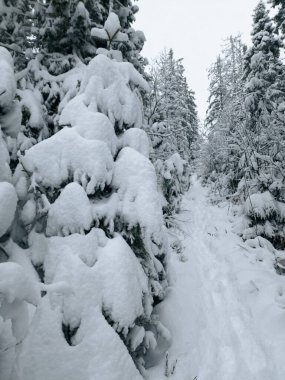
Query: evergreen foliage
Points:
[88, 223]
[244, 152]
[14, 27]
[172, 103]
[264, 73]
[225, 119]
[172, 127]
[280, 15]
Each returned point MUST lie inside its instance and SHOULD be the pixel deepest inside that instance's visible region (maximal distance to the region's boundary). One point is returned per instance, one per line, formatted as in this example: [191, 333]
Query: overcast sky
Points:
[195, 29]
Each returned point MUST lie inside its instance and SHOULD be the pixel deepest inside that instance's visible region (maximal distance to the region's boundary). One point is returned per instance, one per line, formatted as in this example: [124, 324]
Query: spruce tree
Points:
[89, 222]
[225, 119]
[280, 15]
[14, 21]
[262, 69]
[264, 177]
[173, 129]
[172, 102]
[217, 92]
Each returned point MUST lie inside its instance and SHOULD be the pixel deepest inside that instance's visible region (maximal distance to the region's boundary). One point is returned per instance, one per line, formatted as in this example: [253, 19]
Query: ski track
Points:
[214, 332]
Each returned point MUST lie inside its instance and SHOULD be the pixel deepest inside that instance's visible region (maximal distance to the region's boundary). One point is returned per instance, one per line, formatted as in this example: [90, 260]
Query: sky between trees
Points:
[195, 30]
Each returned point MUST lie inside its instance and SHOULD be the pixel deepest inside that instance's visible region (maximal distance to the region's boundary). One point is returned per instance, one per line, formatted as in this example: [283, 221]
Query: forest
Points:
[138, 241]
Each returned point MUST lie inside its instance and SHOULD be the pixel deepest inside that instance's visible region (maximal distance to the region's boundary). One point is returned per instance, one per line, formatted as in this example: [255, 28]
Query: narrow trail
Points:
[215, 334]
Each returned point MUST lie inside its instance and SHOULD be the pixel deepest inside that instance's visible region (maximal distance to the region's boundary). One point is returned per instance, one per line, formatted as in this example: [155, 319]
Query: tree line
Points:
[244, 151]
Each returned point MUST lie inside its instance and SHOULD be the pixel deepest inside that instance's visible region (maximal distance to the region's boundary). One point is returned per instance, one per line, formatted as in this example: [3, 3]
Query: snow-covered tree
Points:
[89, 218]
[225, 119]
[218, 92]
[262, 69]
[68, 31]
[244, 152]
[172, 102]
[279, 14]
[14, 16]
[264, 102]
[172, 127]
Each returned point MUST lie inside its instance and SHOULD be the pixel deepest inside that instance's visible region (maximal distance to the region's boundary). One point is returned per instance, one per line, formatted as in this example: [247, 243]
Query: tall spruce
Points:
[225, 118]
[87, 200]
[264, 103]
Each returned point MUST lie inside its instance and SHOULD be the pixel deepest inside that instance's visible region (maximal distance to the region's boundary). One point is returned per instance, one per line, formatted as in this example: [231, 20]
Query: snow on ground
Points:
[224, 309]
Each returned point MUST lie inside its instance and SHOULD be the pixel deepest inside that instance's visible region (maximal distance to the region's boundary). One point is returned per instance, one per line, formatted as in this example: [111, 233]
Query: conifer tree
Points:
[264, 103]
[14, 16]
[280, 15]
[173, 128]
[262, 69]
[88, 204]
[217, 92]
[225, 118]
[172, 102]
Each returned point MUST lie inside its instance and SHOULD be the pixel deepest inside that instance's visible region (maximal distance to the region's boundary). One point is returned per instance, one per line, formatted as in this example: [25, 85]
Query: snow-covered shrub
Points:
[172, 171]
[264, 209]
[172, 176]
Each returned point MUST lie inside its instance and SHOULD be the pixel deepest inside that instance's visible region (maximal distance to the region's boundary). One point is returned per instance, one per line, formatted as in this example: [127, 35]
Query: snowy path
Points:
[221, 310]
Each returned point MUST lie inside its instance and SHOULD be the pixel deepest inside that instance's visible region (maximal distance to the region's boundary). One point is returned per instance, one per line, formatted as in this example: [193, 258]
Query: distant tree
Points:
[172, 127]
[225, 118]
[173, 103]
[218, 92]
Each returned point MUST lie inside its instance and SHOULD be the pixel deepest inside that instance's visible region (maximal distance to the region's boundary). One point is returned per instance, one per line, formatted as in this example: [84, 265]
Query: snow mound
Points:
[174, 164]
[122, 282]
[135, 179]
[31, 102]
[11, 120]
[90, 356]
[92, 261]
[65, 156]
[112, 54]
[137, 139]
[82, 246]
[105, 279]
[6, 56]
[5, 171]
[111, 71]
[28, 213]
[108, 83]
[8, 204]
[112, 25]
[15, 284]
[111, 31]
[261, 205]
[70, 213]
[7, 79]
[88, 124]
